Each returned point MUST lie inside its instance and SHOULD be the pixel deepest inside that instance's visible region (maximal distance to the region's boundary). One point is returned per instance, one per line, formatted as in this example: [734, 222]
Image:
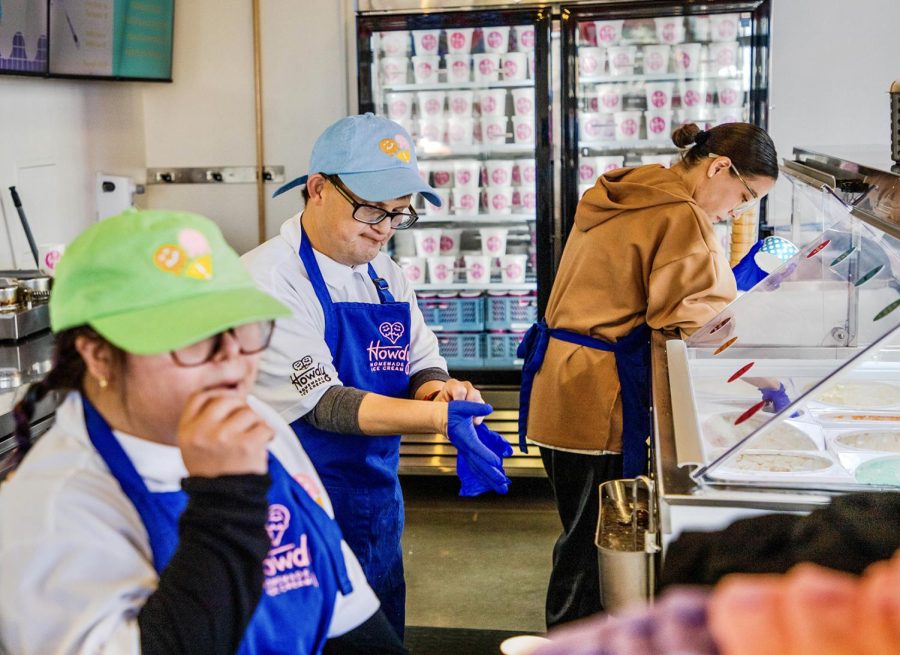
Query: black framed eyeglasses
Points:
[251, 337]
[371, 214]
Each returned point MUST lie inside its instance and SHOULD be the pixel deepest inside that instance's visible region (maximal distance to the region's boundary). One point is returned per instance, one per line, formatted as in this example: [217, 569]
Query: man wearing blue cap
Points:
[351, 367]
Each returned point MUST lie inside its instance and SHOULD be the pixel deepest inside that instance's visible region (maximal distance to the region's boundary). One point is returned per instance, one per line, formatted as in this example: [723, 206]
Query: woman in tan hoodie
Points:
[642, 255]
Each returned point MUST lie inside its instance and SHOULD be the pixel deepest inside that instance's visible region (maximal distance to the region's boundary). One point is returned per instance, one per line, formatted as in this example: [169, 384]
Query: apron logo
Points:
[278, 521]
[309, 376]
[391, 331]
[287, 567]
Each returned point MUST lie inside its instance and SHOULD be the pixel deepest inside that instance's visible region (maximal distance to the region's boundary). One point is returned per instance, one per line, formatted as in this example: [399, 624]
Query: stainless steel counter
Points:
[22, 363]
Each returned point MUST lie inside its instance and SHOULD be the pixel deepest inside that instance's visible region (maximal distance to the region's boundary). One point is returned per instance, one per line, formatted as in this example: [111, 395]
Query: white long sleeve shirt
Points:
[75, 559]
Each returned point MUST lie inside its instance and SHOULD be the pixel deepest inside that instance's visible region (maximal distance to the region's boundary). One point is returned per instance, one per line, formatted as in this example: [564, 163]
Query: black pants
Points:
[574, 590]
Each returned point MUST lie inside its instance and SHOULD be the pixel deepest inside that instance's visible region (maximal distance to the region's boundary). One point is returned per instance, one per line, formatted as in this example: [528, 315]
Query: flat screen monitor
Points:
[107, 39]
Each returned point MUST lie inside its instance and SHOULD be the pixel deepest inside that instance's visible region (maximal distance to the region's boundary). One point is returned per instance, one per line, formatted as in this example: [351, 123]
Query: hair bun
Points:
[701, 137]
[687, 135]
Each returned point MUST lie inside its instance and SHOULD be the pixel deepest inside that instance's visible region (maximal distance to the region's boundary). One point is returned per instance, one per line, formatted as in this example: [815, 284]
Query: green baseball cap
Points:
[153, 281]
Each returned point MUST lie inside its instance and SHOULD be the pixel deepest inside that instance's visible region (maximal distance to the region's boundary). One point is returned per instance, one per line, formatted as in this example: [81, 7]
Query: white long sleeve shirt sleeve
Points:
[298, 368]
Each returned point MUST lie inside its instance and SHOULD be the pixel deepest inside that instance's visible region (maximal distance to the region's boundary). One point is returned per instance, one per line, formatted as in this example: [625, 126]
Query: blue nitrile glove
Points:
[483, 463]
[777, 399]
[471, 485]
[747, 273]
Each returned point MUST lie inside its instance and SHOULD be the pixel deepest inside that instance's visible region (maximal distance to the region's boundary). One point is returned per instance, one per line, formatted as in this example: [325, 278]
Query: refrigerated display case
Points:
[635, 71]
[492, 94]
[826, 326]
[471, 88]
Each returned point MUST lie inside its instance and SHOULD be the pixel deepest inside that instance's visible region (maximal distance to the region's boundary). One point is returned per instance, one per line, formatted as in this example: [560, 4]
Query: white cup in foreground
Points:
[395, 43]
[49, 255]
[515, 66]
[428, 241]
[493, 130]
[442, 269]
[499, 172]
[459, 68]
[394, 70]
[723, 55]
[478, 268]
[425, 68]
[399, 105]
[591, 61]
[723, 27]
[496, 39]
[621, 59]
[426, 41]
[459, 40]
[492, 102]
[609, 97]
[659, 95]
[460, 131]
[442, 174]
[730, 93]
[493, 239]
[670, 29]
[499, 200]
[524, 171]
[686, 57]
[628, 125]
[459, 102]
[486, 67]
[523, 101]
[656, 58]
[512, 268]
[465, 200]
[467, 173]
[659, 124]
[524, 37]
[523, 129]
[608, 31]
[450, 241]
[413, 269]
[431, 103]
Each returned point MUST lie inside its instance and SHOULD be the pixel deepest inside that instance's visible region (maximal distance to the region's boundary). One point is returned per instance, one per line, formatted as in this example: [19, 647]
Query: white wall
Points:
[833, 62]
[207, 117]
[56, 136]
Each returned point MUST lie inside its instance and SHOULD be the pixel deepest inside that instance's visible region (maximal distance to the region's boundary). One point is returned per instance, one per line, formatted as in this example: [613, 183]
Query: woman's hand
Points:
[219, 434]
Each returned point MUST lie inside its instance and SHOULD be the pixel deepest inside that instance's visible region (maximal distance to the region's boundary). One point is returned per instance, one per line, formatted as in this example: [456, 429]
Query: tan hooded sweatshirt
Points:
[641, 251]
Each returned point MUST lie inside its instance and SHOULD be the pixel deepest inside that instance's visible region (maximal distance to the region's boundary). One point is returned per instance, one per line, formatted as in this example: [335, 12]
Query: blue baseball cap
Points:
[374, 157]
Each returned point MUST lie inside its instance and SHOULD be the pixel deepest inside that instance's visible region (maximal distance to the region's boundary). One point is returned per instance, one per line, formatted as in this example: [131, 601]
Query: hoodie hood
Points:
[628, 189]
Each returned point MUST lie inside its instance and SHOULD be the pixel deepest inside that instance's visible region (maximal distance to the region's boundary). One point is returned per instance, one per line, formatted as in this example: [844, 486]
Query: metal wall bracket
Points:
[213, 175]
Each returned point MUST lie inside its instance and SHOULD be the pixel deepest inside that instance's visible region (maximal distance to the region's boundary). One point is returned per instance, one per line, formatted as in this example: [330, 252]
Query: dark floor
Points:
[475, 567]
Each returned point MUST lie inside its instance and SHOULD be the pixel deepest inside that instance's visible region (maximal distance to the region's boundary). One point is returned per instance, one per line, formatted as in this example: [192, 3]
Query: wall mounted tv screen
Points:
[107, 39]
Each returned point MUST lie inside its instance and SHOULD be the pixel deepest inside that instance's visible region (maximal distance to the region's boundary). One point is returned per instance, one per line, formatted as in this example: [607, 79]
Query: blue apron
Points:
[304, 569]
[632, 354]
[369, 344]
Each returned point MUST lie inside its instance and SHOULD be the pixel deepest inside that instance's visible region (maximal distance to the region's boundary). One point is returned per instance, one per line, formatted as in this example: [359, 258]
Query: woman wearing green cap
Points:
[167, 510]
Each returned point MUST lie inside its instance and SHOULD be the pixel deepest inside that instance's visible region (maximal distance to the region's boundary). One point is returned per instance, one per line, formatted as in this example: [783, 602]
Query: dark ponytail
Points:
[748, 146]
[66, 375]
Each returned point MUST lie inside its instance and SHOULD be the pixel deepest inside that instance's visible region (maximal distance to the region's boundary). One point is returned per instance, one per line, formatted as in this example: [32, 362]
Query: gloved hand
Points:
[484, 465]
[747, 272]
[471, 484]
[775, 399]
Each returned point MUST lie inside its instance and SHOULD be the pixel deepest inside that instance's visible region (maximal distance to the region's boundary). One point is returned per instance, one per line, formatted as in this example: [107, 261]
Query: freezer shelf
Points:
[655, 77]
[449, 86]
[480, 219]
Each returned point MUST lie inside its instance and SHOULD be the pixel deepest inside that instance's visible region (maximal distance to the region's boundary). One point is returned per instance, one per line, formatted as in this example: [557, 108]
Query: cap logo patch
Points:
[397, 147]
[190, 257]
